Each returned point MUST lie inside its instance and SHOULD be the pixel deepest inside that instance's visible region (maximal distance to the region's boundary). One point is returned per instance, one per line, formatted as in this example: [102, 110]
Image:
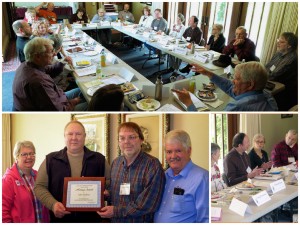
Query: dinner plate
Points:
[245, 188]
[87, 63]
[90, 53]
[275, 172]
[148, 104]
[217, 196]
[207, 99]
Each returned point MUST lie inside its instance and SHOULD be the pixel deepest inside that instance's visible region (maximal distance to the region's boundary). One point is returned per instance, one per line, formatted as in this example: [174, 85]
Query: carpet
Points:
[7, 96]
[11, 60]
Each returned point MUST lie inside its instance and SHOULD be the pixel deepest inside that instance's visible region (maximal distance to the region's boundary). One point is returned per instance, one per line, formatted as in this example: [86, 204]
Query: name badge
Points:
[201, 58]
[188, 38]
[125, 189]
[239, 207]
[248, 170]
[127, 17]
[273, 68]
[155, 28]
[261, 198]
[277, 186]
[291, 159]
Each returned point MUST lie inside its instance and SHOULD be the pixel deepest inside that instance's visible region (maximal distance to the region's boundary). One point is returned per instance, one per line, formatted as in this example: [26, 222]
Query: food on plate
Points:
[76, 49]
[83, 63]
[127, 87]
[211, 86]
[246, 184]
[206, 94]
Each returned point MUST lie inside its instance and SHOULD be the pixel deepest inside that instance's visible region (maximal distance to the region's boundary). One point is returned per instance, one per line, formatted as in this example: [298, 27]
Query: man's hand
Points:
[201, 70]
[107, 212]
[69, 60]
[266, 165]
[255, 172]
[184, 96]
[59, 210]
[239, 42]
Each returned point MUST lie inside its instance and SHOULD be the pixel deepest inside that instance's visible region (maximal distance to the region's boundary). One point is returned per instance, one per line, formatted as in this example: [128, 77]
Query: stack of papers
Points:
[216, 213]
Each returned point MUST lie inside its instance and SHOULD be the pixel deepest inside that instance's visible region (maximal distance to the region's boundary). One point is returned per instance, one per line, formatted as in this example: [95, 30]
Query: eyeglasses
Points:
[25, 155]
[130, 138]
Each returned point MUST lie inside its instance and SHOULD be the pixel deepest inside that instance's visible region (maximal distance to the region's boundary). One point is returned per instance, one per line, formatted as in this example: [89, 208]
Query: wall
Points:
[5, 31]
[46, 132]
[34, 4]
[274, 128]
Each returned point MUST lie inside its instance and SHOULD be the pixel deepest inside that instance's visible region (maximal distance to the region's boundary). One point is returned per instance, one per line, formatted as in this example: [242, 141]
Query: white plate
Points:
[90, 53]
[148, 104]
[83, 65]
[207, 99]
[245, 188]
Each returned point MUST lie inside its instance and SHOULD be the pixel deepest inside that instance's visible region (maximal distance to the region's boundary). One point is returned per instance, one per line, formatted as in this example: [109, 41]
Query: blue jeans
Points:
[74, 93]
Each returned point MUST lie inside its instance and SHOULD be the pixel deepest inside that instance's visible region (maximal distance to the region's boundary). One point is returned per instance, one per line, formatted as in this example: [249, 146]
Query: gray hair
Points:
[102, 10]
[17, 25]
[22, 144]
[57, 40]
[214, 148]
[36, 46]
[30, 10]
[293, 132]
[242, 28]
[219, 27]
[74, 122]
[253, 71]
[179, 136]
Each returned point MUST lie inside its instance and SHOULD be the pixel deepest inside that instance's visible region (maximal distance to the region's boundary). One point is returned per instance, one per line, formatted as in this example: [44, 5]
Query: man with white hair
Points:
[23, 32]
[241, 47]
[186, 194]
[247, 88]
[286, 151]
[33, 87]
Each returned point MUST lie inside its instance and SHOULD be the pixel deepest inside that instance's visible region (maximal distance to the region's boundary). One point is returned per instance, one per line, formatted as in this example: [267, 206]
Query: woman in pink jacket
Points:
[19, 203]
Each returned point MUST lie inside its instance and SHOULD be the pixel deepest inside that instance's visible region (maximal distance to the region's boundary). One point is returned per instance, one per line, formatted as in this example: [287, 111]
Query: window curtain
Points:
[250, 124]
[283, 17]
[6, 142]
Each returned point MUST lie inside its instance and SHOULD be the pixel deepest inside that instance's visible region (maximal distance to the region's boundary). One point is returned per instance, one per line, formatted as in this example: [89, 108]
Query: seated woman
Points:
[216, 41]
[259, 157]
[283, 68]
[19, 202]
[217, 183]
[146, 19]
[30, 16]
[176, 32]
[41, 28]
[79, 17]
[107, 98]
[64, 80]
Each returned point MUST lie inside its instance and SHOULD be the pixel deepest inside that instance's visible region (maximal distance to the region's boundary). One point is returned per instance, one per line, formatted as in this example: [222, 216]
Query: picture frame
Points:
[284, 116]
[97, 131]
[157, 126]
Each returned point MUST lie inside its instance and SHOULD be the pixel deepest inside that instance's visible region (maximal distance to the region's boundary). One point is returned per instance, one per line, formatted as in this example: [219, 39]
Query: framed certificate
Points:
[83, 193]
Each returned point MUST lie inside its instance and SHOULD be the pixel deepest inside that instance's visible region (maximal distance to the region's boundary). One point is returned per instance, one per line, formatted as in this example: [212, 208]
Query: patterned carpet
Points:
[12, 62]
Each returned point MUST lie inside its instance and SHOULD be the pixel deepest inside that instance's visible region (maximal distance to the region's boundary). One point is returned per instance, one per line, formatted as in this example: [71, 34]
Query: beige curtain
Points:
[283, 17]
[250, 124]
[6, 142]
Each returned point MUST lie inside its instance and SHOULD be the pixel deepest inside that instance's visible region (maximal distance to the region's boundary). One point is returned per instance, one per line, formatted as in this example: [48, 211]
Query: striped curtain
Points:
[283, 17]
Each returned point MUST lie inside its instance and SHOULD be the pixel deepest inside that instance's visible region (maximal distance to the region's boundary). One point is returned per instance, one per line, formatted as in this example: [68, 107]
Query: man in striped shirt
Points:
[137, 180]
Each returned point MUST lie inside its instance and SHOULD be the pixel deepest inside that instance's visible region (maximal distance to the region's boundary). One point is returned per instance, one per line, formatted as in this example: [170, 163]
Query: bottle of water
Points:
[99, 71]
[158, 88]
[193, 48]
[192, 84]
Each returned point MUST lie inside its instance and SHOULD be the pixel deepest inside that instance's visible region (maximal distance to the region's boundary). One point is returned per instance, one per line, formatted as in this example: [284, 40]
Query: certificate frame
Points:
[83, 181]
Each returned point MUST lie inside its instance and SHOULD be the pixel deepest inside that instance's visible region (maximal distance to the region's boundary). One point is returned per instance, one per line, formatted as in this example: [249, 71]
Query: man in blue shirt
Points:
[105, 34]
[185, 197]
[247, 88]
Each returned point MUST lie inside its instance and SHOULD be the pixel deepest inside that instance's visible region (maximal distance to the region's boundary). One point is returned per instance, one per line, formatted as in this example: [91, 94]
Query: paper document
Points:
[86, 71]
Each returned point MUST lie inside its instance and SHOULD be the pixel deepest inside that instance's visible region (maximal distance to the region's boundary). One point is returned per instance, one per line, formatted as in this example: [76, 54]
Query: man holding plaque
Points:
[186, 193]
[137, 180]
[75, 161]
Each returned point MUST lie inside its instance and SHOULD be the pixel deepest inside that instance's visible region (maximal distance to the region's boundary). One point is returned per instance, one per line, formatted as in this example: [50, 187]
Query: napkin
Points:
[215, 104]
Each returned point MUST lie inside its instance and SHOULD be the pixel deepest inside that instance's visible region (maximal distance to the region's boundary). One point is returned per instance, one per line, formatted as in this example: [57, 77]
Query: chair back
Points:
[225, 179]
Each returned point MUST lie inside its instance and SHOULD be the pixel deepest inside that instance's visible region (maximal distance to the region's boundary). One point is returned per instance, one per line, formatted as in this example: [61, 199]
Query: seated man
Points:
[247, 88]
[48, 13]
[33, 87]
[241, 47]
[125, 15]
[192, 34]
[185, 198]
[283, 68]
[237, 165]
[286, 151]
[105, 34]
[23, 32]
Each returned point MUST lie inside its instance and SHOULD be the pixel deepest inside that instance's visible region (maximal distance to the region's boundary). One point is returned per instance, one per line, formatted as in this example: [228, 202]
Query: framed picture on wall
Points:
[97, 131]
[154, 128]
